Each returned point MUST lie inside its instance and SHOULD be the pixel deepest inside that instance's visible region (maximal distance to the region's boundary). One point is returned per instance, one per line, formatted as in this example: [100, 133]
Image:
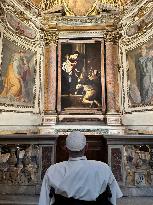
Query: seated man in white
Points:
[78, 180]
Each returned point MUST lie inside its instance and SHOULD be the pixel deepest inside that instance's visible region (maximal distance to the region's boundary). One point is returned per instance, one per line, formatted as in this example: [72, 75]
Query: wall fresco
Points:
[140, 75]
[17, 75]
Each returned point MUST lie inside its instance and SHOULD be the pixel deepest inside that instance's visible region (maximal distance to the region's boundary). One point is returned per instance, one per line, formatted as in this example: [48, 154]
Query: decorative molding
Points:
[74, 8]
[113, 119]
[74, 117]
[49, 120]
[85, 131]
[136, 14]
[51, 20]
[47, 130]
[81, 34]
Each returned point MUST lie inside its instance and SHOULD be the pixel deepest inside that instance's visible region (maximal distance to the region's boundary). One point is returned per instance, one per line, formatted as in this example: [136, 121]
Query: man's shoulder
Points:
[98, 164]
[56, 165]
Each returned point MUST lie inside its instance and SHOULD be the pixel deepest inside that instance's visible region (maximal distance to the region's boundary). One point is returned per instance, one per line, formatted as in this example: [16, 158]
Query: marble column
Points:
[112, 79]
[50, 79]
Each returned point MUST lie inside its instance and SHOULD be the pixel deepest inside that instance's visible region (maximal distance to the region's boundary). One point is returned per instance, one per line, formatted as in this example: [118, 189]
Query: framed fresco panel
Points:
[80, 83]
[17, 79]
[140, 75]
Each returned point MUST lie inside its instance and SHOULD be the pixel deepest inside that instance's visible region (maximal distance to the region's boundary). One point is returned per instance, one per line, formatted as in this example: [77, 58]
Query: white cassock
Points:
[79, 178]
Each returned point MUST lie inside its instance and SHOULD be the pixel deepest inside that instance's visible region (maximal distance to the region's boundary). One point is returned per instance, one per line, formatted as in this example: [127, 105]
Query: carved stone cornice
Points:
[51, 37]
[50, 21]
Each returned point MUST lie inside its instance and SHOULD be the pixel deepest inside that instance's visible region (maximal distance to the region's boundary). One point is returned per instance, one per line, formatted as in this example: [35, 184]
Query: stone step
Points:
[33, 200]
[18, 200]
[135, 201]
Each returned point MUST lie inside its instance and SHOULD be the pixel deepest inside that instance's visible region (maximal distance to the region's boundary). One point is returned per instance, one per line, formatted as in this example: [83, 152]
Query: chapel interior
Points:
[69, 65]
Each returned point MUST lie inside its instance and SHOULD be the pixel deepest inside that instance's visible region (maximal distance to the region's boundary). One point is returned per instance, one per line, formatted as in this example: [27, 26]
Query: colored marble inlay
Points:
[46, 159]
[116, 160]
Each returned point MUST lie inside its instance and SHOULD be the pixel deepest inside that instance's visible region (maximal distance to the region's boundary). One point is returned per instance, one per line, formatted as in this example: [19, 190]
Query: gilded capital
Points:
[51, 37]
[112, 36]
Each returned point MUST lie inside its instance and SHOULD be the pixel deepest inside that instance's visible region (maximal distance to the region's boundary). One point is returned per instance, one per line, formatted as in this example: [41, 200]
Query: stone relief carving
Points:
[19, 165]
[138, 165]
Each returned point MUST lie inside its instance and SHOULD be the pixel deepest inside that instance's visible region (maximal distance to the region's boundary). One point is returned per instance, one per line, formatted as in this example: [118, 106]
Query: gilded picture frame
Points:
[81, 79]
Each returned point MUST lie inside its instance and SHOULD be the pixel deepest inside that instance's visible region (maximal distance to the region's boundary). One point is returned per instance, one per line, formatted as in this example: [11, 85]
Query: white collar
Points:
[77, 158]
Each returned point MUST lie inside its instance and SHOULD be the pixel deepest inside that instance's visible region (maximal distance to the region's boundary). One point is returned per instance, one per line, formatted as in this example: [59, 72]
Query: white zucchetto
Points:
[75, 141]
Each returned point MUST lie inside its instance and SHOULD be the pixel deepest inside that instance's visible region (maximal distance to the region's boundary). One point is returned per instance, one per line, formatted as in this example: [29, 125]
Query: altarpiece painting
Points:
[80, 70]
[140, 75]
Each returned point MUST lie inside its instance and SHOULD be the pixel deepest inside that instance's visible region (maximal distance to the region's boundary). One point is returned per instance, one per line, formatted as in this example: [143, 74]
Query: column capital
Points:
[112, 36]
[51, 37]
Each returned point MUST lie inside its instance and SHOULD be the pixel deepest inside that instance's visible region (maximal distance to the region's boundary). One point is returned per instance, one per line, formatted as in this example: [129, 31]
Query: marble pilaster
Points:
[50, 78]
[112, 79]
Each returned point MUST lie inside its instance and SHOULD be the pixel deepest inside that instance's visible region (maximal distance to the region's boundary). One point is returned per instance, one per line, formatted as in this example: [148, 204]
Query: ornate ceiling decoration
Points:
[78, 7]
[81, 7]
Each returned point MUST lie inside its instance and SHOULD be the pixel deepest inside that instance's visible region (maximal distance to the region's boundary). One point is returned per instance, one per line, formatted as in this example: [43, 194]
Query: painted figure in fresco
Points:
[12, 83]
[26, 77]
[17, 82]
[91, 89]
[134, 94]
[71, 70]
[145, 63]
